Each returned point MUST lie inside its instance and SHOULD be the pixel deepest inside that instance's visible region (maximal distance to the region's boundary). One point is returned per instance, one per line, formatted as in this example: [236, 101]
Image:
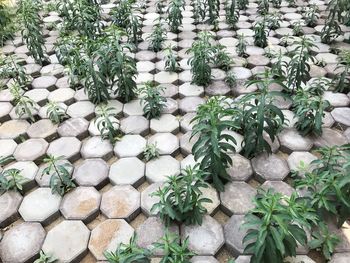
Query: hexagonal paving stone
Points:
[157, 170]
[72, 237]
[243, 259]
[40, 206]
[95, 147]
[82, 203]
[82, 109]
[133, 108]
[151, 231]
[187, 90]
[185, 122]
[91, 172]
[7, 147]
[206, 239]
[127, 171]
[336, 99]
[278, 187]
[108, 235]
[213, 195]
[299, 259]
[218, 88]
[241, 169]
[204, 259]
[44, 82]
[130, 146]
[237, 198]
[122, 202]
[340, 258]
[135, 125]
[31, 150]
[342, 116]
[147, 201]
[28, 171]
[270, 167]
[186, 143]
[74, 127]
[65, 95]
[5, 109]
[69, 147]
[52, 70]
[9, 204]
[166, 77]
[170, 106]
[234, 234]
[329, 138]
[291, 140]
[296, 158]
[13, 129]
[190, 104]
[166, 123]
[167, 143]
[43, 129]
[22, 243]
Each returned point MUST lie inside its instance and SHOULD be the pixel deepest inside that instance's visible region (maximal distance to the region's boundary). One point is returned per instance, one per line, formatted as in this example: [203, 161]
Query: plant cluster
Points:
[55, 112]
[150, 152]
[7, 23]
[180, 199]
[232, 12]
[157, 37]
[260, 33]
[45, 258]
[24, 106]
[241, 46]
[152, 100]
[311, 15]
[175, 16]
[171, 63]
[11, 179]
[10, 67]
[107, 123]
[341, 81]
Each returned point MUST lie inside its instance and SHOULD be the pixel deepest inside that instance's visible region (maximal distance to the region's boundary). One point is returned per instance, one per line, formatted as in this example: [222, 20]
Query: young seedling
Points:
[223, 59]
[61, 181]
[7, 23]
[150, 152]
[107, 123]
[242, 4]
[341, 82]
[298, 28]
[10, 67]
[273, 20]
[241, 47]
[231, 79]
[263, 7]
[319, 85]
[232, 13]
[260, 33]
[157, 37]
[174, 18]
[44, 258]
[153, 102]
[311, 15]
[25, 106]
[11, 179]
[55, 112]
[171, 63]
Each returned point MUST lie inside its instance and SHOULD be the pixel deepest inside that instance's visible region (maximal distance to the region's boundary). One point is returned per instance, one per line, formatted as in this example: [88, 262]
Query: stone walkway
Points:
[112, 199]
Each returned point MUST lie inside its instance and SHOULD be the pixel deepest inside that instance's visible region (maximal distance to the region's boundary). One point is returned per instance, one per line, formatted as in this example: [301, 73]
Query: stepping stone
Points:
[190, 104]
[342, 116]
[69, 147]
[186, 143]
[213, 195]
[65, 95]
[122, 202]
[38, 96]
[278, 187]
[327, 58]
[157, 170]
[7, 147]
[241, 73]
[241, 169]
[52, 70]
[299, 259]
[130, 146]
[166, 123]
[329, 138]
[145, 55]
[5, 109]
[82, 109]
[234, 234]
[91, 172]
[44, 129]
[145, 66]
[95, 147]
[270, 167]
[108, 235]
[40, 206]
[170, 106]
[72, 237]
[13, 129]
[243, 259]
[28, 171]
[167, 143]
[340, 258]
[291, 140]
[170, 90]
[166, 77]
[32, 69]
[147, 201]
[22, 243]
[134, 125]
[9, 204]
[204, 259]
[336, 99]
[296, 157]
[217, 88]
[82, 203]
[237, 198]
[188, 90]
[151, 231]
[206, 239]
[185, 122]
[188, 161]
[43, 179]
[44, 82]
[127, 171]
[133, 108]
[74, 127]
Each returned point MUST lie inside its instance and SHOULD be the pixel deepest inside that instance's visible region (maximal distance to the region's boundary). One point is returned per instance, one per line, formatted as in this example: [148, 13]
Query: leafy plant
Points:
[213, 12]
[173, 251]
[273, 20]
[242, 4]
[171, 63]
[324, 241]
[180, 199]
[175, 16]
[7, 23]
[134, 29]
[232, 13]
[55, 112]
[260, 33]
[203, 55]
[309, 110]
[273, 231]
[231, 79]
[10, 67]
[129, 253]
[107, 123]
[28, 11]
[153, 102]
[213, 145]
[150, 152]
[24, 105]
[157, 37]
[241, 46]
[11, 179]
[341, 82]
[311, 15]
[276, 3]
[223, 59]
[263, 7]
[279, 66]
[297, 28]
[61, 181]
[291, 3]
[44, 258]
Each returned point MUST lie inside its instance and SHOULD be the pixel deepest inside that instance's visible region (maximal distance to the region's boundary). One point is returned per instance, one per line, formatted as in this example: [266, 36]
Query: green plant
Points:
[55, 112]
[279, 66]
[175, 16]
[28, 12]
[203, 55]
[341, 82]
[174, 251]
[273, 20]
[121, 12]
[231, 79]
[242, 4]
[5, 159]
[263, 7]
[44, 258]
[276, 3]
[153, 102]
[129, 253]
[241, 47]
[150, 152]
[25, 106]
[213, 145]
[222, 58]
[171, 63]
[213, 12]
[134, 29]
[260, 33]
[232, 12]
[157, 37]
[319, 85]
[61, 181]
[11, 179]
[311, 15]
[324, 241]
[180, 198]
[291, 3]
[107, 123]
[273, 232]
[7, 23]
[257, 115]
[10, 67]
[309, 110]
[298, 28]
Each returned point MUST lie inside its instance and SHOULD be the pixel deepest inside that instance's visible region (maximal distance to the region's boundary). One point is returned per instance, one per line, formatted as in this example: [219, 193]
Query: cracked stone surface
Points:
[127, 171]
